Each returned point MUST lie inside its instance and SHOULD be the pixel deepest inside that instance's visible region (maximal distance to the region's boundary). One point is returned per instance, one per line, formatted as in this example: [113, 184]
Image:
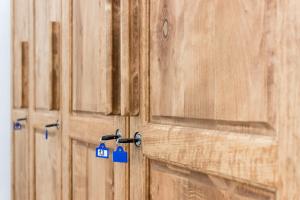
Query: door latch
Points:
[137, 140]
[18, 124]
[115, 136]
[50, 126]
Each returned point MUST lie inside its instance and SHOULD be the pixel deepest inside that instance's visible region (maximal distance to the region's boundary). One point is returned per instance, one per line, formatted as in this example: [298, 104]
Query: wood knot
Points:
[165, 28]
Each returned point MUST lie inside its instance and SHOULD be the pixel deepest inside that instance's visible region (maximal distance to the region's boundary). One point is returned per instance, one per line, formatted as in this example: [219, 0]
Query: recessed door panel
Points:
[47, 165]
[93, 178]
[47, 54]
[95, 67]
[21, 48]
[171, 182]
[91, 99]
[21, 163]
[212, 60]
[208, 117]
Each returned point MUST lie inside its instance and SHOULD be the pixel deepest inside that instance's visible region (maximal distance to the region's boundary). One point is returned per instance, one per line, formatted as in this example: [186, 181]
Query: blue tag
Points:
[46, 134]
[102, 151]
[120, 155]
[17, 126]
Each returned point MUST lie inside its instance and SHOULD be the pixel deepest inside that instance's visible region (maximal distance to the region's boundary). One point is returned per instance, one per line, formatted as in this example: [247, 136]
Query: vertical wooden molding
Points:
[125, 54]
[55, 62]
[25, 73]
[288, 103]
[116, 83]
[130, 57]
[109, 52]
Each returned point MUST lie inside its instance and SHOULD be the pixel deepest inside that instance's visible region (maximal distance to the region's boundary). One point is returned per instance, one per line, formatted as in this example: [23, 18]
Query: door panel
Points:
[91, 99]
[20, 150]
[20, 50]
[208, 115]
[92, 178]
[247, 157]
[21, 164]
[227, 48]
[171, 182]
[45, 102]
[47, 54]
[93, 69]
[21, 56]
[47, 165]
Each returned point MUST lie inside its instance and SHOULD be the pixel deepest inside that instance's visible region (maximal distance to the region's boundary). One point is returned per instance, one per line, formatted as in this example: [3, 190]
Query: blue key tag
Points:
[119, 155]
[102, 151]
[46, 134]
[17, 126]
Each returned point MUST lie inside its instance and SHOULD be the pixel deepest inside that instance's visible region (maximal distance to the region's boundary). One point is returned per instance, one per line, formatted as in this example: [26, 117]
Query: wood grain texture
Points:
[93, 178]
[169, 182]
[20, 59]
[25, 71]
[212, 60]
[214, 84]
[194, 66]
[47, 50]
[45, 102]
[244, 157]
[55, 69]
[130, 57]
[289, 97]
[84, 122]
[20, 158]
[92, 56]
[21, 179]
[116, 51]
[47, 165]
[20, 52]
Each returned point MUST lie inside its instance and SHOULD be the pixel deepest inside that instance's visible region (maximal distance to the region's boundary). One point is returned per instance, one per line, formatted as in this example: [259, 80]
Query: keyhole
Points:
[165, 28]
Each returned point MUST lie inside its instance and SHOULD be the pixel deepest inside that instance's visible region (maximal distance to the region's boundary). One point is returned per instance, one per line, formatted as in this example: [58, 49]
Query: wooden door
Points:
[45, 102]
[20, 75]
[219, 113]
[91, 100]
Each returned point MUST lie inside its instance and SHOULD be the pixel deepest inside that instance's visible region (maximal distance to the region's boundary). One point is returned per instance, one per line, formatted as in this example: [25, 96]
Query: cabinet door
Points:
[209, 117]
[20, 79]
[20, 155]
[91, 99]
[46, 158]
[45, 106]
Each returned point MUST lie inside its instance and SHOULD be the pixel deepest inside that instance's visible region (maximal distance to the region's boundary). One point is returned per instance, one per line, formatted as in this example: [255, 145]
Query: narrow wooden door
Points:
[45, 101]
[91, 100]
[20, 76]
[219, 114]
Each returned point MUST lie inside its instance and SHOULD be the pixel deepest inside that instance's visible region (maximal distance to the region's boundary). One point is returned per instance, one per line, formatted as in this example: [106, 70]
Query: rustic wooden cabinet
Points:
[212, 87]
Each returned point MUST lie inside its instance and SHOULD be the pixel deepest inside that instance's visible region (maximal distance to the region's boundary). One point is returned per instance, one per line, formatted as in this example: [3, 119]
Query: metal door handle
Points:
[50, 126]
[137, 140]
[18, 124]
[115, 136]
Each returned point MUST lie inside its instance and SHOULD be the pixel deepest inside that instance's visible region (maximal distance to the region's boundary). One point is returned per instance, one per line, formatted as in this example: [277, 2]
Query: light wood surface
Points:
[91, 100]
[212, 86]
[47, 16]
[20, 155]
[91, 56]
[215, 121]
[129, 43]
[184, 184]
[20, 50]
[20, 59]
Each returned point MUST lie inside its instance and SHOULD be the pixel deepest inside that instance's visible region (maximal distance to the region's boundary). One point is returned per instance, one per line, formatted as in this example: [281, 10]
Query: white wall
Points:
[5, 121]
